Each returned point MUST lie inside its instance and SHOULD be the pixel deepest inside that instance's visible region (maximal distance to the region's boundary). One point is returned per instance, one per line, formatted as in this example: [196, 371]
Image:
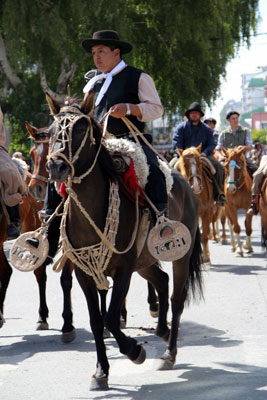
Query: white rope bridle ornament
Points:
[94, 259]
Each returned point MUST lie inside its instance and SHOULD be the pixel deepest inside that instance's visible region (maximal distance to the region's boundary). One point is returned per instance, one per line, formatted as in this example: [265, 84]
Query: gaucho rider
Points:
[125, 91]
[194, 132]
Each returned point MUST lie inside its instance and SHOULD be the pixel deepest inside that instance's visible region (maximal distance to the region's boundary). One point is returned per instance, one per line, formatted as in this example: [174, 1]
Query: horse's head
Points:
[191, 168]
[38, 152]
[235, 166]
[72, 139]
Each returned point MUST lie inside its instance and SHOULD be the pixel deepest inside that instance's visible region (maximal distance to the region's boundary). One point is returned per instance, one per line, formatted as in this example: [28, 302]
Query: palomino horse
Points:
[238, 184]
[263, 212]
[37, 187]
[78, 155]
[192, 169]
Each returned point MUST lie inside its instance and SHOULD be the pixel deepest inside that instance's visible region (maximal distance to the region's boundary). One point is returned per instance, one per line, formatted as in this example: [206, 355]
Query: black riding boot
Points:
[14, 227]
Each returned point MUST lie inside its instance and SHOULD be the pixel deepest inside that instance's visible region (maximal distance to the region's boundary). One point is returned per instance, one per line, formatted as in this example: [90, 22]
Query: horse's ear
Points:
[180, 151]
[225, 152]
[31, 129]
[53, 105]
[88, 103]
[199, 147]
[241, 149]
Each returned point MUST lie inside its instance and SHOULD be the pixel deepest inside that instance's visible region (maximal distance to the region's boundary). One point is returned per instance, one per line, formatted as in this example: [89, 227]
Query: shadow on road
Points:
[238, 269]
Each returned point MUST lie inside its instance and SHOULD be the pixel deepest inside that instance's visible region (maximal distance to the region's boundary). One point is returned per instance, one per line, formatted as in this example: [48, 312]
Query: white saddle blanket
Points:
[128, 148]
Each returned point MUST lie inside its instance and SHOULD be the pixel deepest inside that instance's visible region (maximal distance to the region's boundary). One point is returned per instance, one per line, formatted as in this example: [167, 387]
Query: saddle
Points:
[208, 167]
[132, 167]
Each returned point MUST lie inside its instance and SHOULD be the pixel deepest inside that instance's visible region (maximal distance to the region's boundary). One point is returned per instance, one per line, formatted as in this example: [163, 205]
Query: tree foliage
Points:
[183, 44]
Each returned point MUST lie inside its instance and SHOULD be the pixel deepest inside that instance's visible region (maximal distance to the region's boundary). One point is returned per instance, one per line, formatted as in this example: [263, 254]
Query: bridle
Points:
[194, 175]
[37, 176]
[63, 134]
[233, 164]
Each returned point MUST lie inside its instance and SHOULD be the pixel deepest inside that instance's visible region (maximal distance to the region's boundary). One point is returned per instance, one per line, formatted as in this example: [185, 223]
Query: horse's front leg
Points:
[235, 228]
[41, 277]
[99, 380]
[5, 275]
[127, 345]
[206, 219]
[223, 220]
[68, 330]
[247, 243]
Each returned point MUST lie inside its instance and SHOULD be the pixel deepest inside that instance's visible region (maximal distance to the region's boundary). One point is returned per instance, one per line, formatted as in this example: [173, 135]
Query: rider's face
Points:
[233, 121]
[105, 59]
[194, 116]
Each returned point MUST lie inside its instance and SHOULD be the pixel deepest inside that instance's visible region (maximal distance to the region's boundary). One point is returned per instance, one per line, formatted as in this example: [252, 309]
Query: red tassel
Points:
[131, 180]
[62, 190]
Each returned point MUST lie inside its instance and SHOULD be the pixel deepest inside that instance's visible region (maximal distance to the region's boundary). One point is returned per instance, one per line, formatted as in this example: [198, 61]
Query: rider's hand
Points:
[203, 155]
[118, 110]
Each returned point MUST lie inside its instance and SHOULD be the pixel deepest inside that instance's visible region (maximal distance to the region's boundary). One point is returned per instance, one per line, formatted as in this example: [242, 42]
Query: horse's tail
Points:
[195, 267]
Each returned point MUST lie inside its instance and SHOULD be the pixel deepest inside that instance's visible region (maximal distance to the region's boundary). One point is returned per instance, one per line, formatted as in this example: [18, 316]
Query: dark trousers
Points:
[52, 200]
[14, 213]
[251, 167]
[218, 177]
[156, 184]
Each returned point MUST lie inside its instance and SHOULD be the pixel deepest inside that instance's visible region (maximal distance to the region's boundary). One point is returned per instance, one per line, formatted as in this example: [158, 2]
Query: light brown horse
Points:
[193, 171]
[238, 193]
[263, 211]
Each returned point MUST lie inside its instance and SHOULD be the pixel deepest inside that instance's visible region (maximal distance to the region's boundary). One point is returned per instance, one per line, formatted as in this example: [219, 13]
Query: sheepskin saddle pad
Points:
[127, 154]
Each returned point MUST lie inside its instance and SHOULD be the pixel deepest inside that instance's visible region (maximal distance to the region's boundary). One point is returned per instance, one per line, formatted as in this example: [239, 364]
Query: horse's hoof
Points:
[68, 337]
[106, 334]
[154, 313]
[99, 383]
[122, 324]
[142, 356]
[239, 253]
[224, 241]
[42, 326]
[249, 250]
[165, 365]
[2, 320]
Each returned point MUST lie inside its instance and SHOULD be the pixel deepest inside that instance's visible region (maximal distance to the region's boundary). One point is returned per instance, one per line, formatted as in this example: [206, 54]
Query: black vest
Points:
[123, 89]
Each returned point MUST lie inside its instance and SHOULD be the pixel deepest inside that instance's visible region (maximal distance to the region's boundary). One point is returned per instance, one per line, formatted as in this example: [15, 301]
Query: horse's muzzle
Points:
[231, 188]
[58, 170]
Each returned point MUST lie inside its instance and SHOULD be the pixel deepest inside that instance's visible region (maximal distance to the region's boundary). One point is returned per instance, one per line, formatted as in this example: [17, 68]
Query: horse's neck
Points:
[92, 195]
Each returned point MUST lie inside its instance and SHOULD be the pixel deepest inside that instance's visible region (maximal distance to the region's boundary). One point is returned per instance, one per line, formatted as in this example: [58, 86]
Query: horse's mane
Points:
[104, 158]
[191, 151]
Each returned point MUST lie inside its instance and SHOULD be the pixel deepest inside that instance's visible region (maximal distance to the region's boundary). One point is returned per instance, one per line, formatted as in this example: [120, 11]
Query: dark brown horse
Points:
[78, 156]
[37, 187]
[30, 221]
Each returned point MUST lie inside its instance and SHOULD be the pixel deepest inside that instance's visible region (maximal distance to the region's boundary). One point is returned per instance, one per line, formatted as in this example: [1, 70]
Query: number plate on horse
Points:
[169, 240]
[25, 257]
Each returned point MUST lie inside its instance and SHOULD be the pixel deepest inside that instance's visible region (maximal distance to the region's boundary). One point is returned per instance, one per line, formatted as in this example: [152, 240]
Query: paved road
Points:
[222, 345]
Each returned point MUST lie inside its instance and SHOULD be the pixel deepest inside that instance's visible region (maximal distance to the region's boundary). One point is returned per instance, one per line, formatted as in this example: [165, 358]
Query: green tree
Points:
[184, 44]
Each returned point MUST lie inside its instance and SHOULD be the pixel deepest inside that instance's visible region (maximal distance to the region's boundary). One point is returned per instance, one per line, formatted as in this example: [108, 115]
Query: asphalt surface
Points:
[222, 344]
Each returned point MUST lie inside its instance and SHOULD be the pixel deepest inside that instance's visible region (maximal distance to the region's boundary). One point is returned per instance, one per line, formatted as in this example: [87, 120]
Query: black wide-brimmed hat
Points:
[194, 107]
[108, 38]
